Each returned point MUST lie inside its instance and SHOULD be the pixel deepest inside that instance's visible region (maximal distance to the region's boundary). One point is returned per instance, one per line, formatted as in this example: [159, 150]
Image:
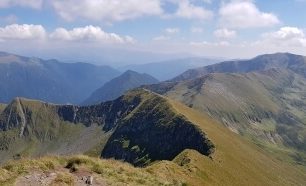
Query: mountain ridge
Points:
[166, 70]
[49, 80]
[34, 123]
[117, 86]
[264, 106]
[236, 160]
[296, 63]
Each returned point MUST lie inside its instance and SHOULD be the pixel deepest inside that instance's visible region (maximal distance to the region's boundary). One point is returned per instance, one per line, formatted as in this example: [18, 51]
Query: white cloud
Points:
[245, 14]
[172, 30]
[37, 32]
[36, 4]
[285, 36]
[189, 11]
[210, 44]
[22, 32]
[106, 10]
[161, 38]
[89, 33]
[225, 33]
[118, 10]
[196, 30]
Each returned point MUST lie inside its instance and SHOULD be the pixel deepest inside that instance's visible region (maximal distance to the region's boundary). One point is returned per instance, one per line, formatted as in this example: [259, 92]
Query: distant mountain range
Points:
[117, 86]
[289, 61]
[262, 99]
[166, 70]
[49, 80]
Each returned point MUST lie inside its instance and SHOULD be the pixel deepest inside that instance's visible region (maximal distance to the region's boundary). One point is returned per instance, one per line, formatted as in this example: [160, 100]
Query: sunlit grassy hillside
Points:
[235, 161]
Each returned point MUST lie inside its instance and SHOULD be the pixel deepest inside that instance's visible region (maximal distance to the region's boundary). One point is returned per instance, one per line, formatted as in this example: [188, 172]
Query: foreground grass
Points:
[13, 169]
[110, 171]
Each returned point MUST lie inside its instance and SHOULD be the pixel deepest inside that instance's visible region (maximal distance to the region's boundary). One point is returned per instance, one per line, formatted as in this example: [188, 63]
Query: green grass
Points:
[46, 133]
[237, 161]
[266, 125]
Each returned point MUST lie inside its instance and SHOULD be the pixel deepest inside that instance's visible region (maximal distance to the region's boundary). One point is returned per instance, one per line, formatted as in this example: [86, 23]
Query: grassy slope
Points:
[256, 105]
[236, 161]
[46, 133]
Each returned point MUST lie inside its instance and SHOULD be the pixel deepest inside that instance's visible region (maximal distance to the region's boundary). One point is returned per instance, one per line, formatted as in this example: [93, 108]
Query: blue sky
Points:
[107, 29]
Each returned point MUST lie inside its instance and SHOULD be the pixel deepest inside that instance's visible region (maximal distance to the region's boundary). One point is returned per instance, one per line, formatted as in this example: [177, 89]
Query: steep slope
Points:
[235, 161]
[166, 70]
[266, 106]
[289, 61]
[155, 131]
[30, 128]
[117, 86]
[49, 80]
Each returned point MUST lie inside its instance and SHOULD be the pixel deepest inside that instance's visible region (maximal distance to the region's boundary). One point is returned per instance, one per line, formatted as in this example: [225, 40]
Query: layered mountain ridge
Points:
[296, 63]
[117, 86]
[261, 99]
[49, 80]
[170, 143]
[166, 70]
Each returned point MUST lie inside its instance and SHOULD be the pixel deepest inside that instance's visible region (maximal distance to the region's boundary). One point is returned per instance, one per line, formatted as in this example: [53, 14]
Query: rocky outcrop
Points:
[105, 114]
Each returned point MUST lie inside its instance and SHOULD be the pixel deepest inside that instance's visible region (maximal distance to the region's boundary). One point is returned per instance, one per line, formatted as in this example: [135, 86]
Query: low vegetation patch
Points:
[63, 179]
[110, 171]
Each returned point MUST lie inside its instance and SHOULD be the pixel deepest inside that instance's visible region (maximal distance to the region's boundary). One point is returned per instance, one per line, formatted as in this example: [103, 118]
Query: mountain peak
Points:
[293, 62]
[279, 56]
[117, 86]
[130, 72]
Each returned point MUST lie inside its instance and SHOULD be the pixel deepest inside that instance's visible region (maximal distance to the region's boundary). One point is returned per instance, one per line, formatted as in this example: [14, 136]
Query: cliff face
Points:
[105, 114]
[139, 127]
